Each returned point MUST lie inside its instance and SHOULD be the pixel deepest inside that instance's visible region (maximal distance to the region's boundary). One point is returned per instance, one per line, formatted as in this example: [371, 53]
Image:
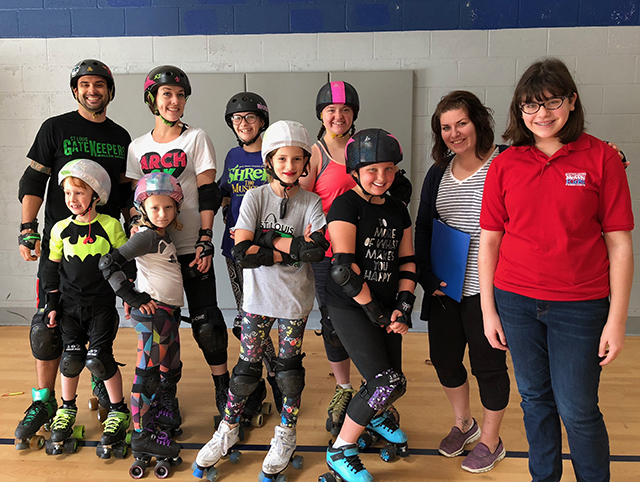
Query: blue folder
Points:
[449, 253]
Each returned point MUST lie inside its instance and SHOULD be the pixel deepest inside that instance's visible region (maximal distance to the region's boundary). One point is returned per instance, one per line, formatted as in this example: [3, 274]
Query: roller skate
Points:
[384, 427]
[64, 436]
[166, 412]
[220, 445]
[338, 409]
[280, 455]
[39, 413]
[345, 466]
[277, 394]
[221, 383]
[149, 444]
[115, 439]
[256, 408]
[100, 400]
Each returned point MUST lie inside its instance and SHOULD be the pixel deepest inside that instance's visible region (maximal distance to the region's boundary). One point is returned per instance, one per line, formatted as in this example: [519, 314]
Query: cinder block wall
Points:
[129, 36]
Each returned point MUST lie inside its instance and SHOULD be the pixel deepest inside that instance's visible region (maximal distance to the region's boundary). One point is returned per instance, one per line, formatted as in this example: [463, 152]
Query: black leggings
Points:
[321, 271]
[452, 326]
[372, 349]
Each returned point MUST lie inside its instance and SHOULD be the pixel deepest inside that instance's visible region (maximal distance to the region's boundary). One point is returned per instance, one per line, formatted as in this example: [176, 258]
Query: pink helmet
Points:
[157, 184]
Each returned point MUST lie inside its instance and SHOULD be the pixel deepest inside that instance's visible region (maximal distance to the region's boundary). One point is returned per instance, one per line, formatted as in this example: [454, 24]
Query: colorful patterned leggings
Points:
[255, 330]
[158, 349]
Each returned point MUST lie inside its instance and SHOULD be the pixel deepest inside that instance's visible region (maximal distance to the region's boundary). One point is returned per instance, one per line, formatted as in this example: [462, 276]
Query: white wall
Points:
[34, 85]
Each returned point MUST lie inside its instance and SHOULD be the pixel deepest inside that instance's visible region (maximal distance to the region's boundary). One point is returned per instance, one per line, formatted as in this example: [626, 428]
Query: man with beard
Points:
[83, 133]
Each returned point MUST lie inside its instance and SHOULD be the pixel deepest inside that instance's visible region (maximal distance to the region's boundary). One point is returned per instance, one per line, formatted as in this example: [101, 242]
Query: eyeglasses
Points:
[236, 119]
[551, 104]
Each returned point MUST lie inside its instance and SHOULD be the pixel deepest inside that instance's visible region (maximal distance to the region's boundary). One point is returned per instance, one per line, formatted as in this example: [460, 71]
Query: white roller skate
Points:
[224, 438]
[281, 453]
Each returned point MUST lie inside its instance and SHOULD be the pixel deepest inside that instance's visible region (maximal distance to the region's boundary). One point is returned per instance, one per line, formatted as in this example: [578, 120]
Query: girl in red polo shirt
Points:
[556, 266]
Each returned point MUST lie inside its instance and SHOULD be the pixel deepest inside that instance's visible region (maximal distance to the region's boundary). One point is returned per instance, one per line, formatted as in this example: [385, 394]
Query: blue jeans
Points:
[554, 347]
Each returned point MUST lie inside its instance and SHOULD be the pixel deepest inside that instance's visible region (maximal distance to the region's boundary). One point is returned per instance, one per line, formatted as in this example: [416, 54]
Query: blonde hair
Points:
[175, 224]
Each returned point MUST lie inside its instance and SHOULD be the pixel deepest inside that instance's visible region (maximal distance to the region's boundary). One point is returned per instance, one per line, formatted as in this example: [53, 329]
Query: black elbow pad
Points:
[209, 197]
[32, 183]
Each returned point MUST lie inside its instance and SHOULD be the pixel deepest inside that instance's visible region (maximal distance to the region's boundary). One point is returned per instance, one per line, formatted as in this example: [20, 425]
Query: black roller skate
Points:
[64, 435]
[115, 438]
[345, 466]
[39, 413]
[277, 394]
[281, 453]
[385, 427]
[337, 409]
[166, 413]
[149, 444]
[100, 400]
[256, 408]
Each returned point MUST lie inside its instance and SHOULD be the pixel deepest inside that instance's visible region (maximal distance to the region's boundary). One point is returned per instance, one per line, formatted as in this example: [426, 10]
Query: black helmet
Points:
[337, 93]
[370, 146]
[92, 67]
[247, 102]
[164, 75]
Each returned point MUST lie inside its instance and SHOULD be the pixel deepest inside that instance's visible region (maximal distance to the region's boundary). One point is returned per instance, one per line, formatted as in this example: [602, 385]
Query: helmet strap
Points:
[145, 218]
[94, 114]
[242, 143]
[356, 177]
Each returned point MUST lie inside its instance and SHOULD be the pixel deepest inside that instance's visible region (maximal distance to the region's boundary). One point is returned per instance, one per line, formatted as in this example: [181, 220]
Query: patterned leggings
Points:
[235, 277]
[158, 348]
[255, 331]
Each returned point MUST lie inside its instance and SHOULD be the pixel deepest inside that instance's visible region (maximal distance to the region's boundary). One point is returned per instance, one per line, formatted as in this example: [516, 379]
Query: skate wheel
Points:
[36, 442]
[388, 453]
[235, 456]
[257, 420]
[103, 452]
[365, 441]
[102, 414]
[48, 447]
[328, 425]
[136, 471]
[213, 474]
[71, 445]
[267, 408]
[22, 445]
[78, 432]
[93, 404]
[281, 478]
[328, 477]
[121, 451]
[161, 470]
[297, 462]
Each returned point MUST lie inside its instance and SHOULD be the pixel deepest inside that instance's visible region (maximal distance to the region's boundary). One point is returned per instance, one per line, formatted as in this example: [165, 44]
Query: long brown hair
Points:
[547, 76]
[479, 115]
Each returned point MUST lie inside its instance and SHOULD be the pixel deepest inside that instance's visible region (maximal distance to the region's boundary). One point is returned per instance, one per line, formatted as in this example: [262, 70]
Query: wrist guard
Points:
[375, 313]
[404, 304]
[51, 303]
[29, 239]
[206, 245]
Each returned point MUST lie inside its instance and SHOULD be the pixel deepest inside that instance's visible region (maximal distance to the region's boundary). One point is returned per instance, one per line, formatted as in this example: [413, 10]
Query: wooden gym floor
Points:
[426, 417]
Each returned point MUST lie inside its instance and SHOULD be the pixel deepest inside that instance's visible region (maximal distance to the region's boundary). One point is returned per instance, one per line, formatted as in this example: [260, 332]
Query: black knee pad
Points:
[72, 360]
[101, 364]
[147, 381]
[384, 389]
[210, 332]
[46, 343]
[290, 375]
[245, 379]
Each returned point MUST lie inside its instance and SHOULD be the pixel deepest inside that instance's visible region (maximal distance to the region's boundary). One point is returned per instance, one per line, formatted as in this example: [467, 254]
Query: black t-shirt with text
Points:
[379, 230]
[70, 136]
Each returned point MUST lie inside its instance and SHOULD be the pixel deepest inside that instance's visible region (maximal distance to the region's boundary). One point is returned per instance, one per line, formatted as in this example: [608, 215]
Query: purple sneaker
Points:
[480, 459]
[453, 444]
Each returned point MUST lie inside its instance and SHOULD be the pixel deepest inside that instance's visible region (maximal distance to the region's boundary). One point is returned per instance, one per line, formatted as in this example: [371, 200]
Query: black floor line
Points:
[322, 449]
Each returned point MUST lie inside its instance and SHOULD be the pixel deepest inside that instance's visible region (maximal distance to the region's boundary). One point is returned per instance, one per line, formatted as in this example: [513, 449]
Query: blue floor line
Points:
[322, 449]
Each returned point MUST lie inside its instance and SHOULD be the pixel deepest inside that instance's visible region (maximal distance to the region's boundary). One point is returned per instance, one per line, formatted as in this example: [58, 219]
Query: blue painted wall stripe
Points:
[68, 18]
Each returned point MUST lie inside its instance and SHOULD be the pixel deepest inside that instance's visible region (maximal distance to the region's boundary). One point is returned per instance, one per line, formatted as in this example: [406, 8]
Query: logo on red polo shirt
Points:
[575, 179]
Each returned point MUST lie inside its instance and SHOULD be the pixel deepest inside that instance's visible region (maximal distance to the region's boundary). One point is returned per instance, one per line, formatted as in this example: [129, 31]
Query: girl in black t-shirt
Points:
[370, 296]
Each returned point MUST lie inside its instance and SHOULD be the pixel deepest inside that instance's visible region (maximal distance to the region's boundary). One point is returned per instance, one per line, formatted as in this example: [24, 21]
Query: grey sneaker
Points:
[480, 459]
[453, 444]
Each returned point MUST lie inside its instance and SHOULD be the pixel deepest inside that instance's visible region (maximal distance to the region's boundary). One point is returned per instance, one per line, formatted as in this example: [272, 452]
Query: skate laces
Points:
[353, 461]
[385, 422]
[63, 419]
[341, 398]
[162, 438]
[32, 412]
[284, 442]
[112, 423]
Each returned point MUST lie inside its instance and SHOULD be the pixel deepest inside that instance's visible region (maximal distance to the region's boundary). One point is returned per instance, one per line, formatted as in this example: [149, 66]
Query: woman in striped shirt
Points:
[463, 148]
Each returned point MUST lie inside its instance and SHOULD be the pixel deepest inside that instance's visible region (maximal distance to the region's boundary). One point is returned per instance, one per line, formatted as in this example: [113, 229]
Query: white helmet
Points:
[90, 172]
[285, 134]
